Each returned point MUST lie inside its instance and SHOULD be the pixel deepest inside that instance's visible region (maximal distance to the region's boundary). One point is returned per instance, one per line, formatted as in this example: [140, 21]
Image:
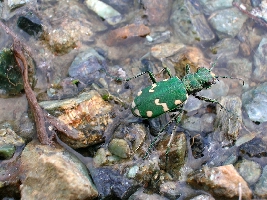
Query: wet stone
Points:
[88, 113]
[119, 147]
[16, 3]
[225, 49]
[120, 35]
[59, 41]
[104, 11]
[229, 118]
[133, 171]
[157, 11]
[255, 103]
[67, 88]
[192, 104]
[255, 3]
[189, 29]
[111, 182]
[42, 165]
[220, 181]
[165, 50]
[9, 140]
[197, 146]
[7, 151]
[256, 147]
[87, 65]
[207, 120]
[169, 190]
[241, 68]
[208, 7]
[259, 73]
[187, 55]
[9, 178]
[261, 186]
[140, 195]
[26, 127]
[121, 6]
[228, 22]
[31, 24]
[217, 152]
[10, 76]
[203, 197]
[199, 124]
[127, 139]
[192, 123]
[158, 37]
[249, 170]
[176, 156]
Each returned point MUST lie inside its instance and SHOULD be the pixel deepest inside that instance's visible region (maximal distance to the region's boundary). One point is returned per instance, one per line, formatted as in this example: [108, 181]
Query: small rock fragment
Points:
[157, 11]
[104, 11]
[125, 33]
[261, 186]
[165, 50]
[55, 171]
[221, 181]
[249, 170]
[119, 147]
[88, 113]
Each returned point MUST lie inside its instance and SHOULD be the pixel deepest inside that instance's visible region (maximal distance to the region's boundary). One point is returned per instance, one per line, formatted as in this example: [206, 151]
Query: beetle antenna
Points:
[212, 66]
[230, 78]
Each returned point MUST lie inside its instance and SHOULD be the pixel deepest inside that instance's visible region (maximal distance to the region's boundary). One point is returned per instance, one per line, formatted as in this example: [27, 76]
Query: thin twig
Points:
[255, 18]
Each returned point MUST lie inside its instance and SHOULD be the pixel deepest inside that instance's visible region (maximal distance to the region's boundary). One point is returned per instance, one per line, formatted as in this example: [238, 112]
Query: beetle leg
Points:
[187, 69]
[151, 76]
[177, 117]
[165, 68]
[214, 101]
[210, 100]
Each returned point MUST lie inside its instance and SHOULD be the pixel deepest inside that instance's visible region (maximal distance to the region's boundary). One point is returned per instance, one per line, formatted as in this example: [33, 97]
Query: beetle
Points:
[170, 95]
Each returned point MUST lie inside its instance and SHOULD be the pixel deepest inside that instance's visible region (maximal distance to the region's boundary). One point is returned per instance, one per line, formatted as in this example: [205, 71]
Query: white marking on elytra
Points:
[133, 104]
[165, 79]
[149, 113]
[136, 111]
[152, 88]
[139, 93]
[212, 74]
[164, 105]
[177, 102]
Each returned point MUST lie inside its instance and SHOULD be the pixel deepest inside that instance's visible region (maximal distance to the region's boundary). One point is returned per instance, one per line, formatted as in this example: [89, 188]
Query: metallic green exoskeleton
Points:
[170, 94]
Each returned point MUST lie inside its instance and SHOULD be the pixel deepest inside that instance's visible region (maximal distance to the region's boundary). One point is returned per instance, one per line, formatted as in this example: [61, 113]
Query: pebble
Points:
[120, 35]
[189, 29]
[227, 22]
[249, 170]
[261, 186]
[255, 103]
[223, 181]
[88, 113]
[259, 62]
[86, 65]
[42, 165]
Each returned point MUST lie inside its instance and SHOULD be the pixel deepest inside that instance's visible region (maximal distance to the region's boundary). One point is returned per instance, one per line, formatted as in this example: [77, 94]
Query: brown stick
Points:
[37, 110]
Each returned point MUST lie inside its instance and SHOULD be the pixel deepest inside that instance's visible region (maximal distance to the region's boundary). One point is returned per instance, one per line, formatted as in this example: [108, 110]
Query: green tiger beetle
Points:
[170, 95]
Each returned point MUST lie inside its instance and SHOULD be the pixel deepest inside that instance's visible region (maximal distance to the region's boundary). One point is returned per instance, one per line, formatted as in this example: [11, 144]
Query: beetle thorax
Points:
[202, 79]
